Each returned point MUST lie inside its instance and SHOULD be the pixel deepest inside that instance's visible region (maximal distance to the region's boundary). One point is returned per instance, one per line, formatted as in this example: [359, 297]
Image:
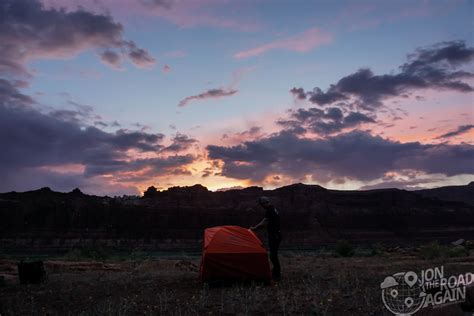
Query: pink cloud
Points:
[357, 16]
[192, 13]
[301, 43]
[166, 68]
[176, 54]
[183, 13]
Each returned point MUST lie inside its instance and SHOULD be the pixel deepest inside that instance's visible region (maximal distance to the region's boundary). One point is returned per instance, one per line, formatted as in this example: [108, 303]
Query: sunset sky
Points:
[113, 96]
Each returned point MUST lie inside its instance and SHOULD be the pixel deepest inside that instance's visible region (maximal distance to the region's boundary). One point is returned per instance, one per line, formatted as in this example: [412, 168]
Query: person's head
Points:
[264, 202]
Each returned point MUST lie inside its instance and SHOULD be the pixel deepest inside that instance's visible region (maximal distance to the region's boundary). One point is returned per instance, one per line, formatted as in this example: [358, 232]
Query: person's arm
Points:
[263, 222]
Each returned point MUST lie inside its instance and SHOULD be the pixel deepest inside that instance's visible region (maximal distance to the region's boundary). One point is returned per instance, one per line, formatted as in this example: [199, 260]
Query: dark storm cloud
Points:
[323, 122]
[180, 142]
[430, 67]
[31, 31]
[460, 130]
[209, 94]
[354, 155]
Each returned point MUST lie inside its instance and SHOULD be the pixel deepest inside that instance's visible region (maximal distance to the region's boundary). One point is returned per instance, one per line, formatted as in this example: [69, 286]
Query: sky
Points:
[114, 96]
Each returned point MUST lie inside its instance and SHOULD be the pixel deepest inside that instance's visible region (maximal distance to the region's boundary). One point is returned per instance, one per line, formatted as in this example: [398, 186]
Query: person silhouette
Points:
[272, 221]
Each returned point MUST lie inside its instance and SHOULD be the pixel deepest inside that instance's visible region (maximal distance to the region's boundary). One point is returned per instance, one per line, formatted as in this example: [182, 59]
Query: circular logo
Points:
[402, 293]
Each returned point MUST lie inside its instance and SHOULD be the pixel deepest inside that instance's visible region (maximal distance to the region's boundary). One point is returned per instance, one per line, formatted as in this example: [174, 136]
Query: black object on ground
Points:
[31, 272]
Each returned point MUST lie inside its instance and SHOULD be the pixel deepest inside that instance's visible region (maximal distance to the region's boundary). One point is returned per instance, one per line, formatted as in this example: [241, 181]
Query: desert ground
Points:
[313, 283]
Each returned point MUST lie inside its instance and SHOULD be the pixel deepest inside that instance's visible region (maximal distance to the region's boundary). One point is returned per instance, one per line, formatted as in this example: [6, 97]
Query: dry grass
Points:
[311, 285]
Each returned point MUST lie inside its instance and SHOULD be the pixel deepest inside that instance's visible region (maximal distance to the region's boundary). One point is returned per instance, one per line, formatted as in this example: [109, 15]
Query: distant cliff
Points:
[461, 193]
[175, 218]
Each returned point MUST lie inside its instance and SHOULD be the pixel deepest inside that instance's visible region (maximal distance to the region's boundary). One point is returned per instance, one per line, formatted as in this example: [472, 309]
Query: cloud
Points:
[252, 133]
[80, 114]
[42, 139]
[140, 57]
[101, 124]
[166, 68]
[111, 59]
[301, 43]
[31, 31]
[433, 67]
[180, 142]
[460, 130]
[191, 13]
[209, 94]
[26, 179]
[176, 54]
[11, 97]
[401, 184]
[166, 4]
[153, 167]
[33, 143]
[183, 13]
[216, 93]
[298, 93]
[355, 155]
[323, 122]
[362, 16]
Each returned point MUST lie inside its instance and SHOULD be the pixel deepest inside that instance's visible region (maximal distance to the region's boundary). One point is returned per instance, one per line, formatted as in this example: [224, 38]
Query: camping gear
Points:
[31, 272]
[233, 253]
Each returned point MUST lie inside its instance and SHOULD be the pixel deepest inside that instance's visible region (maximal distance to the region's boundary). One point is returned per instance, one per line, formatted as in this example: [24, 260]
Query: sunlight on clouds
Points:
[66, 168]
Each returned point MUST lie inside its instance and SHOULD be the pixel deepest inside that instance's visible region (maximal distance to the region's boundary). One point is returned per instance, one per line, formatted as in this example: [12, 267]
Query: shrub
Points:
[435, 250]
[344, 248]
[470, 244]
[94, 252]
[377, 249]
[431, 251]
[458, 251]
[137, 255]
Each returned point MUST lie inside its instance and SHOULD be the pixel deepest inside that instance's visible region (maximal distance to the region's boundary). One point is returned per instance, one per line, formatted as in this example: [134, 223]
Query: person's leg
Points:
[274, 243]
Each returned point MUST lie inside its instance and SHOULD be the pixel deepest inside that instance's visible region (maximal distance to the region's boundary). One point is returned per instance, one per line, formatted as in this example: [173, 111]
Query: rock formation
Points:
[175, 218]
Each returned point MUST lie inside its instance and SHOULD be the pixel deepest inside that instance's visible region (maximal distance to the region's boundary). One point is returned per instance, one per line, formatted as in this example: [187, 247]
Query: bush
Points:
[377, 250]
[470, 244]
[344, 248]
[431, 251]
[137, 255]
[94, 252]
[435, 250]
[458, 251]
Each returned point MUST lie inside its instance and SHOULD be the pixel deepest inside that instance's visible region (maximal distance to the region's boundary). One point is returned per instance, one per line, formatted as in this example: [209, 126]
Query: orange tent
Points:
[233, 253]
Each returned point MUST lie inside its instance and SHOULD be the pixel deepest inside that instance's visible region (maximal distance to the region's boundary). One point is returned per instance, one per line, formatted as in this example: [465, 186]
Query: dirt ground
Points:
[311, 285]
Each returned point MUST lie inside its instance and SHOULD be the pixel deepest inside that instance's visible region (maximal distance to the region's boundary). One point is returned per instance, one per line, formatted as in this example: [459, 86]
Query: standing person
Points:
[272, 221]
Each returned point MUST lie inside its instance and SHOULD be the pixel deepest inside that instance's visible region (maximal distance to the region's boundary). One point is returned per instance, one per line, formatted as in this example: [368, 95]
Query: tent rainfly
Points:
[233, 253]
